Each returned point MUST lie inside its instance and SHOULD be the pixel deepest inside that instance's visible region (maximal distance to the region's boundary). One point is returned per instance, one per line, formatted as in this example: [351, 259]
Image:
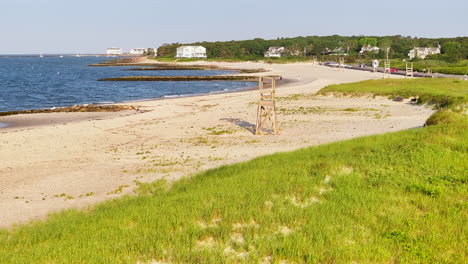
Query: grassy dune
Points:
[439, 66]
[450, 96]
[433, 91]
[392, 198]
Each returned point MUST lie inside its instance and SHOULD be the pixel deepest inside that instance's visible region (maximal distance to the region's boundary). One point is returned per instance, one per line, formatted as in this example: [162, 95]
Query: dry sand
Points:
[50, 162]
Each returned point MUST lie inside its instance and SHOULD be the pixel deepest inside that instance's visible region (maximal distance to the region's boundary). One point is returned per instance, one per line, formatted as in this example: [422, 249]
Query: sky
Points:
[91, 26]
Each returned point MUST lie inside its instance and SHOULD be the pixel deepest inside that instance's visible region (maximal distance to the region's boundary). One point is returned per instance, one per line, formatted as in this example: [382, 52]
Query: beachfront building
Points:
[114, 51]
[138, 51]
[423, 52]
[198, 52]
[369, 49]
[274, 52]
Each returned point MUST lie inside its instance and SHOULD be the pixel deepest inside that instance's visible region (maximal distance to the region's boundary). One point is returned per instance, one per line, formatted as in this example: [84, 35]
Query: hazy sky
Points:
[90, 26]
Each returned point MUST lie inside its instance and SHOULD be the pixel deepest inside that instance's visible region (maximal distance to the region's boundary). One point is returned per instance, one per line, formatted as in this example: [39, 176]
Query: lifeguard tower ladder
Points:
[409, 70]
[387, 72]
[341, 64]
[266, 110]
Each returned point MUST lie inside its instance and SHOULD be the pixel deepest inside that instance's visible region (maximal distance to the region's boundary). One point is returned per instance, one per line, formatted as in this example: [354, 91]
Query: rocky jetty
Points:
[75, 108]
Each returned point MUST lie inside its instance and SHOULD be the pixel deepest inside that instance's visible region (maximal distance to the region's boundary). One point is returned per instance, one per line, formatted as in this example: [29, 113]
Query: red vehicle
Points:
[393, 69]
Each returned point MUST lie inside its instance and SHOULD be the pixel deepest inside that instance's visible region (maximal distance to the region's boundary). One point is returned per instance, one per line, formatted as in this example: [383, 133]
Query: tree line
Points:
[453, 49]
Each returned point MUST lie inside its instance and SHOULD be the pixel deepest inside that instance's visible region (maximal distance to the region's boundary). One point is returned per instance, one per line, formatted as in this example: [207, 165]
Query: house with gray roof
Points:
[423, 52]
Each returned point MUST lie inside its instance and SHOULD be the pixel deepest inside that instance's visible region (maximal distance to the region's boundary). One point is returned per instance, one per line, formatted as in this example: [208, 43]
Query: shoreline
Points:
[108, 100]
[5, 125]
[75, 160]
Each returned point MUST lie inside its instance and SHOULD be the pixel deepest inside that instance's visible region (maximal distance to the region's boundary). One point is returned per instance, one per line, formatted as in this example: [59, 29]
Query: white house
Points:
[369, 49]
[336, 51]
[114, 51]
[422, 53]
[198, 52]
[138, 51]
[274, 52]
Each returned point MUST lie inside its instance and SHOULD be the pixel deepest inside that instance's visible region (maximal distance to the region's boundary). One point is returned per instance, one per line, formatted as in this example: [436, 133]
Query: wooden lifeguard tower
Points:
[387, 71]
[429, 72]
[341, 64]
[266, 110]
[409, 70]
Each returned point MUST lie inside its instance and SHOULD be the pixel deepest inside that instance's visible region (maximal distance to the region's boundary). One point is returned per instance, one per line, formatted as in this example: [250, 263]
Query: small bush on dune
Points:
[454, 115]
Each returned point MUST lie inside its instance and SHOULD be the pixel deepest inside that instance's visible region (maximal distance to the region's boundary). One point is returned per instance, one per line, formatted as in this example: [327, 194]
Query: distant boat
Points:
[61, 56]
[41, 56]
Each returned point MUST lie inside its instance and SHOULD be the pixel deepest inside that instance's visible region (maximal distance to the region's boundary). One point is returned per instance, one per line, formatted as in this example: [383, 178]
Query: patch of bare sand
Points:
[76, 161]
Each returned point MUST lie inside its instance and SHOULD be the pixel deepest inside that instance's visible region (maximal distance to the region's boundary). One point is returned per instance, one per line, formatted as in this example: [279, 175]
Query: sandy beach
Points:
[54, 161]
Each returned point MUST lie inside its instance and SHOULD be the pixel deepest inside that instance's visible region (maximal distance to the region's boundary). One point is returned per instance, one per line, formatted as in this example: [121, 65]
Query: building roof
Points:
[276, 49]
[190, 47]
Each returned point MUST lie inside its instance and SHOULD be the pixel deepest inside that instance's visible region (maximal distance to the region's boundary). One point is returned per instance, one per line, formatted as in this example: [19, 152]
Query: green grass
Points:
[450, 96]
[441, 92]
[392, 198]
[437, 66]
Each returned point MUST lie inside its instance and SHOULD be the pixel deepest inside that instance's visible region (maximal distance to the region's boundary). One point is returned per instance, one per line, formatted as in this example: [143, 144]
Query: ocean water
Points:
[36, 83]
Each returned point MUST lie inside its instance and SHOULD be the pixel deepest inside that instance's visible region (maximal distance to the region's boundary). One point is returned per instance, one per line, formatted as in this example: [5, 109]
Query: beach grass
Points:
[431, 91]
[393, 198]
[449, 96]
[436, 66]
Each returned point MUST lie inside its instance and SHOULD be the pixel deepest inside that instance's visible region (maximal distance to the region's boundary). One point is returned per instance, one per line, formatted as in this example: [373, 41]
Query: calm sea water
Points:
[35, 83]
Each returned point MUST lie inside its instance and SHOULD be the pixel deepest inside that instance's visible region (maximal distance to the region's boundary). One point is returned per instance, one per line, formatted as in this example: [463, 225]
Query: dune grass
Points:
[437, 66]
[450, 96]
[392, 198]
[441, 91]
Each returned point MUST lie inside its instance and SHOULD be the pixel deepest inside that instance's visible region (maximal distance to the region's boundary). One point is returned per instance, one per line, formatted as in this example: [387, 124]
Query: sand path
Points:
[50, 162]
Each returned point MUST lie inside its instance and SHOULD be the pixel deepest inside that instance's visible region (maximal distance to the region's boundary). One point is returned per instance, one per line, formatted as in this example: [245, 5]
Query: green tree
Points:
[167, 49]
[452, 51]
[351, 45]
[367, 41]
